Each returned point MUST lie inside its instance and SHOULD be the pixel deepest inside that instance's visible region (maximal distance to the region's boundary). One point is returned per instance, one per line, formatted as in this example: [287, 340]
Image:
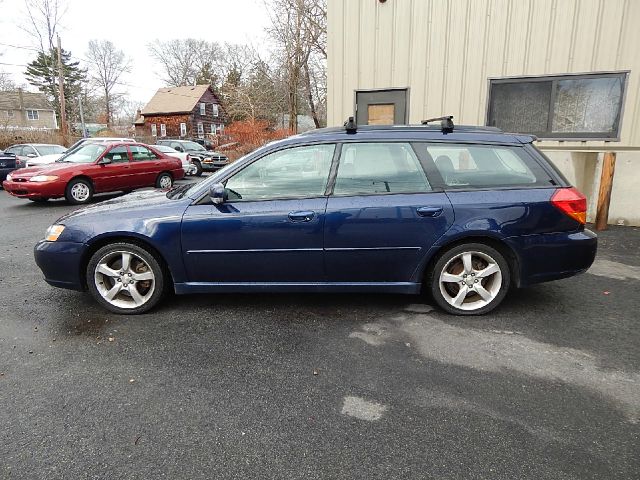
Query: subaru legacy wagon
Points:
[460, 214]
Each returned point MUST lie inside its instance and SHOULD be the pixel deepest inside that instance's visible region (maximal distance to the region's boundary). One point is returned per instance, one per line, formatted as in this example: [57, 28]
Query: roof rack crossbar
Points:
[446, 123]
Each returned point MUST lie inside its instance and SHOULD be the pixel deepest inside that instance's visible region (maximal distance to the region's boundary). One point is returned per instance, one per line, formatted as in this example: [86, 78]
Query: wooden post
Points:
[604, 195]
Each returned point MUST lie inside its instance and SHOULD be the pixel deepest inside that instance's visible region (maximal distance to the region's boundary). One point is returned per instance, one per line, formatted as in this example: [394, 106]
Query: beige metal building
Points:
[565, 70]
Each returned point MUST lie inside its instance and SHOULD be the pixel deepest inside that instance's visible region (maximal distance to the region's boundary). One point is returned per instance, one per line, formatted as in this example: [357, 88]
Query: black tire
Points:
[494, 286]
[72, 192]
[162, 179]
[123, 297]
[198, 168]
[39, 200]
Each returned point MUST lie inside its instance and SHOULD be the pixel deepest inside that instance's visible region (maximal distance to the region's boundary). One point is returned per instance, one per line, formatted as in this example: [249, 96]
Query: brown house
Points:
[179, 112]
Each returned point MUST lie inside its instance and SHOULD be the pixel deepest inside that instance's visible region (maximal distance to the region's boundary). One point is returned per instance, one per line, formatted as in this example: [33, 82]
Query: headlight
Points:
[9, 178]
[43, 178]
[53, 232]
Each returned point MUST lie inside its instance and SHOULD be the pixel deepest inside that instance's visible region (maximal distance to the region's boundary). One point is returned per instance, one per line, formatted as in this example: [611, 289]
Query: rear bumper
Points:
[547, 257]
[33, 189]
[60, 263]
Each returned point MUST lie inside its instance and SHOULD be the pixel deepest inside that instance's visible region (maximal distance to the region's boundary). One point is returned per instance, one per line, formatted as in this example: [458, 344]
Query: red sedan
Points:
[95, 168]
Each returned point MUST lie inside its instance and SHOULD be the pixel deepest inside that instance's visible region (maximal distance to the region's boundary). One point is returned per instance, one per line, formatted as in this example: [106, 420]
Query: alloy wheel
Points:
[124, 279]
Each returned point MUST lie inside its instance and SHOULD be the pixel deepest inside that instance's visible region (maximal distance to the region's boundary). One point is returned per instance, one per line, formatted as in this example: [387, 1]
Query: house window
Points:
[213, 128]
[183, 129]
[33, 115]
[580, 107]
[154, 130]
[163, 130]
[203, 109]
[216, 110]
[200, 130]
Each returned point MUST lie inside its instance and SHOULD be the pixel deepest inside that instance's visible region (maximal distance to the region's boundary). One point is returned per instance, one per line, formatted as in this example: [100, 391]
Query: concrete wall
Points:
[446, 51]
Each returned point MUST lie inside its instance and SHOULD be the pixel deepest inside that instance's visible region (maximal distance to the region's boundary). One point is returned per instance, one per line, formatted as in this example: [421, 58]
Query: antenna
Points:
[446, 123]
[350, 125]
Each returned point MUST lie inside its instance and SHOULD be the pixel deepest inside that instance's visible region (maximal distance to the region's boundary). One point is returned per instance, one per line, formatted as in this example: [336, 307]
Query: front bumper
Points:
[4, 172]
[61, 263]
[33, 189]
[552, 256]
[213, 164]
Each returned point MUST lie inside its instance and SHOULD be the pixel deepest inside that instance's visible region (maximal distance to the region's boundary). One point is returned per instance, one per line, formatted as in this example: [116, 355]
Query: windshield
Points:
[85, 154]
[192, 146]
[50, 149]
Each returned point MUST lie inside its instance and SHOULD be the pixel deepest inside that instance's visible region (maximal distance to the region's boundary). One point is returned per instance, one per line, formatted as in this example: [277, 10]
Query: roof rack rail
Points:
[446, 123]
[350, 125]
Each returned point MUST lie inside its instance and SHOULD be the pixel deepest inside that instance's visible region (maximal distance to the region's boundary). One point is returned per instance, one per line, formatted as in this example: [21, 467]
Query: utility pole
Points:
[84, 128]
[63, 111]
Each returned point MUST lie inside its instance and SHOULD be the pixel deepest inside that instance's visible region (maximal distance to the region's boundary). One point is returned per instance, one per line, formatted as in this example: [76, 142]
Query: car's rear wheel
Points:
[78, 191]
[198, 166]
[125, 278]
[164, 180]
[470, 279]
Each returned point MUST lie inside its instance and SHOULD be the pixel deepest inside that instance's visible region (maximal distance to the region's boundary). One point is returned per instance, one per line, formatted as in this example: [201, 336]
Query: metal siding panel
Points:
[515, 44]
[607, 38]
[384, 44]
[471, 83]
[541, 23]
[403, 30]
[367, 52]
[455, 61]
[437, 58]
[496, 37]
[351, 53]
[585, 35]
[562, 33]
[334, 60]
[418, 59]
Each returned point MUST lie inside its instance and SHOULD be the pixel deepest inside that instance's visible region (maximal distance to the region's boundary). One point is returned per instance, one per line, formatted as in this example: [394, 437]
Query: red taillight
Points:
[571, 202]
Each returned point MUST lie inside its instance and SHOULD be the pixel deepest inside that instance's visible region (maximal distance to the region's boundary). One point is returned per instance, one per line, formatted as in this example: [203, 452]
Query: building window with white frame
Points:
[33, 115]
[183, 129]
[154, 130]
[203, 108]
[200, 130]
[216, 110]
[213, 128]
[580, 107]
[163, 130]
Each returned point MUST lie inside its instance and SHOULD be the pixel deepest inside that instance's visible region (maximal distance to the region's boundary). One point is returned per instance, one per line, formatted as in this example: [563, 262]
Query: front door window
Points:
[291, 173]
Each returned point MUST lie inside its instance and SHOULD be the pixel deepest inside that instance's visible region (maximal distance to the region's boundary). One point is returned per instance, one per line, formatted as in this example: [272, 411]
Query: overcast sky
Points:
[130, 25]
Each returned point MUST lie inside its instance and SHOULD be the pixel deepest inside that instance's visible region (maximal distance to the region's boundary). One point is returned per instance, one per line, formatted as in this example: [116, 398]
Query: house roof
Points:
[30, 101]
[175, 100]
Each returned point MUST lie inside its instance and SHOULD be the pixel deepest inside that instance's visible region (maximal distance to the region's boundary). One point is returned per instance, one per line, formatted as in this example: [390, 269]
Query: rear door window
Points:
[379, 168]
[485, 166]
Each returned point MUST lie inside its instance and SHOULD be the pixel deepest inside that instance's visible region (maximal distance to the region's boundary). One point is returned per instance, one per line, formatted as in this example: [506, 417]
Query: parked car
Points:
[95, 168]
[7, 164]
[188, 167]
[202, 158]
[30, 153]
[462, 214]
[205, 142]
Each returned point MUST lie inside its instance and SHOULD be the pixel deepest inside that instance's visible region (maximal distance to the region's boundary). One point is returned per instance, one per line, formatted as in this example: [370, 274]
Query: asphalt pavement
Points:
[318, 386]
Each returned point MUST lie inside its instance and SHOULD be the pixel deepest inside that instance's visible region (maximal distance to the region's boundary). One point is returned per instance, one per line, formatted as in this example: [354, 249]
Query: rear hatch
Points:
[7, 161]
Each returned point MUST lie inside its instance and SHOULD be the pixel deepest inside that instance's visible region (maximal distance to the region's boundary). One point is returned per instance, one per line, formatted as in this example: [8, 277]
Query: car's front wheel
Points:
[125, 278]
[198, 166]
[78, 191]
[470, 279]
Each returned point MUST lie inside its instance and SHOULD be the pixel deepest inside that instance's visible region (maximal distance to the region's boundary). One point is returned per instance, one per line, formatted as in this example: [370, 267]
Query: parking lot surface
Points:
[318, 386]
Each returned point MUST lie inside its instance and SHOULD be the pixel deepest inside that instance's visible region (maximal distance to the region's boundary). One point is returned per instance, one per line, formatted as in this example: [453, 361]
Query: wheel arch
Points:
[492, 241]
[139, 240]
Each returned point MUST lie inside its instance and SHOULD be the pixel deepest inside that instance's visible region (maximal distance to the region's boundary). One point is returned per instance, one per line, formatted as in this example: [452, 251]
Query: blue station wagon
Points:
[458, 213]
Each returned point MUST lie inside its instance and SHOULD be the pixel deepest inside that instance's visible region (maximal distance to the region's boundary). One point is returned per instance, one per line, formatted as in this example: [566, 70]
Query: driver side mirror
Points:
[179, 149]
[31, 155]
[218, 193]
[105, 161]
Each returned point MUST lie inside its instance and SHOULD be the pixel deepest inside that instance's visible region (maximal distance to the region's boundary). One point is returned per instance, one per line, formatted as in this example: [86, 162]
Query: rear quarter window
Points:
[485, 166]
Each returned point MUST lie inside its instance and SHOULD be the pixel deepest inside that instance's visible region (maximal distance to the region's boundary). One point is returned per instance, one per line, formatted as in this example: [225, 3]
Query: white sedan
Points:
[188, 167]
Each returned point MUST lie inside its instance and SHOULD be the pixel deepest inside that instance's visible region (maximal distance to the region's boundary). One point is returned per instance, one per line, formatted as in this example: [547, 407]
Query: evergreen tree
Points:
[43, 74]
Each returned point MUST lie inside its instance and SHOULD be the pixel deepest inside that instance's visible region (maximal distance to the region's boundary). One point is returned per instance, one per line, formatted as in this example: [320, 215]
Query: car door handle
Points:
[429, 211]
[303, 216]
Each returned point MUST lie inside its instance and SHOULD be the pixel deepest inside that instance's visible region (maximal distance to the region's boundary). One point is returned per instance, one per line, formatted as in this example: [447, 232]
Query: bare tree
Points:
[298, 28]
[183, 62]
[106, 66]
[6, 82]
[43, 20]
